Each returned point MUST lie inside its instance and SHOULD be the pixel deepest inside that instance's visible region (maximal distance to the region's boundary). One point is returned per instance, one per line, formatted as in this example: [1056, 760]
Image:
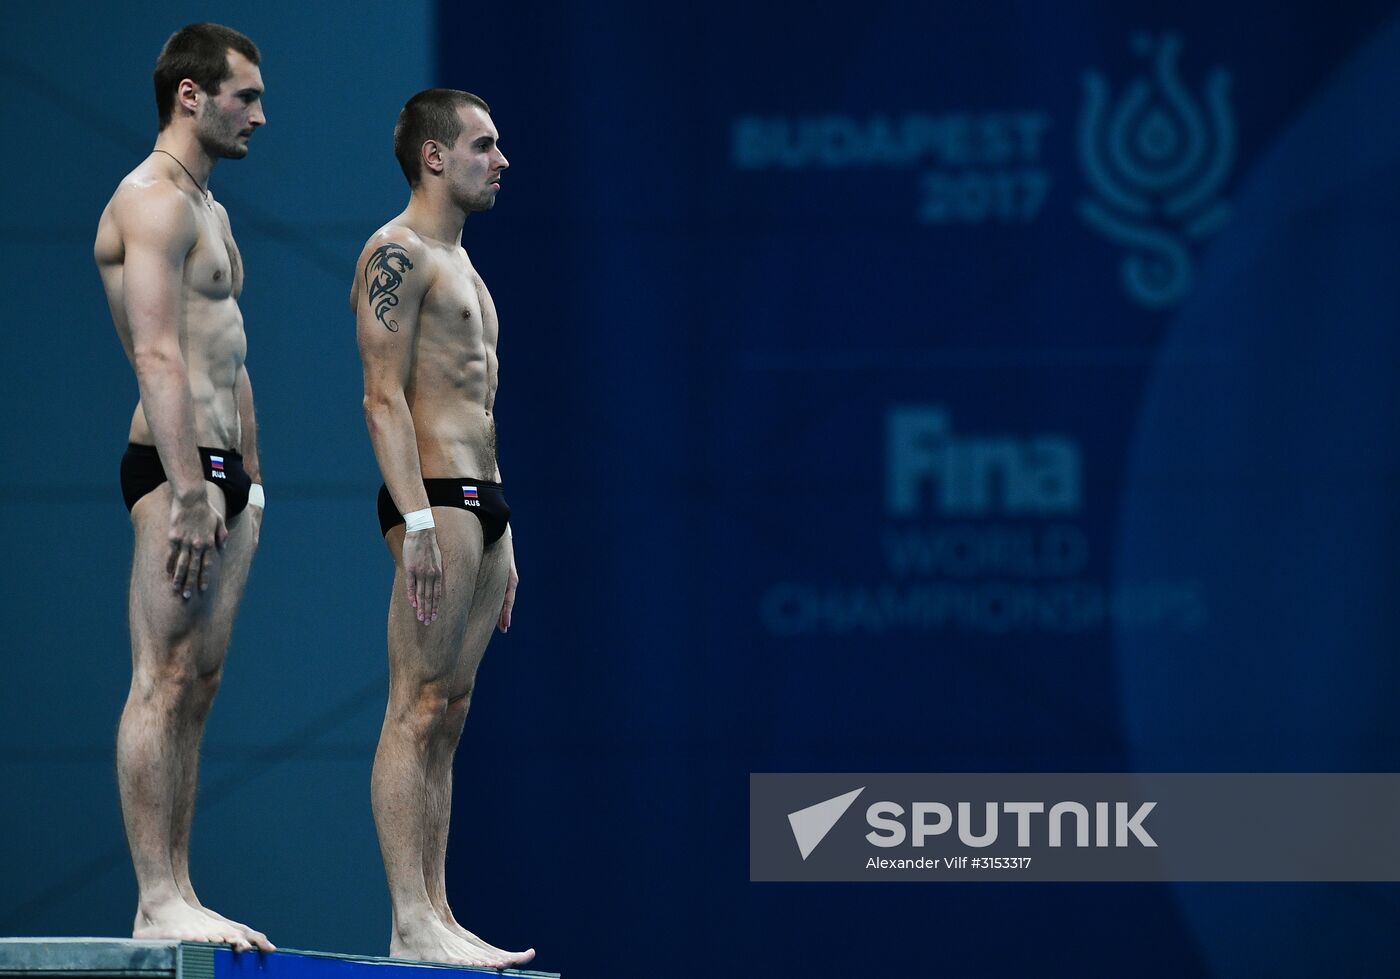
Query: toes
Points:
[239, 935]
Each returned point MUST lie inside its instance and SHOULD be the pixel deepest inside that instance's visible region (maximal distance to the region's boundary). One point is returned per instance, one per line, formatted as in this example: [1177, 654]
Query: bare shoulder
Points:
[396, 265]
[395, 244]
[155, 213]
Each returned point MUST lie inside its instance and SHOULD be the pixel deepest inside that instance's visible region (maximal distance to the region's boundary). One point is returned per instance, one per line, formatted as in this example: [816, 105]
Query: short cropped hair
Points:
[198, 52]
[431, 114]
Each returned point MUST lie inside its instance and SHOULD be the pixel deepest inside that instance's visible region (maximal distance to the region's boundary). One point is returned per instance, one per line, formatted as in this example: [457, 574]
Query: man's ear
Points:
[432, 156]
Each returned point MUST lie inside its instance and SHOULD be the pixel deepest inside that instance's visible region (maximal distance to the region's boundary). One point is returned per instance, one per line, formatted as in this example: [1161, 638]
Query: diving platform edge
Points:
[130, 958]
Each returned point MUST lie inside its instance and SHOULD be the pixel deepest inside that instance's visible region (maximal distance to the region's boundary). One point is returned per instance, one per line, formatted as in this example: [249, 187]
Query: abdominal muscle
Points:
[216, 421]
[455, 441]
[214, 348]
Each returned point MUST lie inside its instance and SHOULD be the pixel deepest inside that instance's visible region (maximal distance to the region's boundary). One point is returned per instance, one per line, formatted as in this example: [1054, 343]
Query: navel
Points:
[466, 314]
[218, 274]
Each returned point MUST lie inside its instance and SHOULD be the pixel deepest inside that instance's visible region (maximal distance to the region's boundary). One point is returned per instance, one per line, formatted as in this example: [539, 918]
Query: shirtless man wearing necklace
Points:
[190, 475]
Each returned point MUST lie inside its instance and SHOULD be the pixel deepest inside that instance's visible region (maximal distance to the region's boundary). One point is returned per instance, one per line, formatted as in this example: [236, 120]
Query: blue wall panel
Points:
[933, 388]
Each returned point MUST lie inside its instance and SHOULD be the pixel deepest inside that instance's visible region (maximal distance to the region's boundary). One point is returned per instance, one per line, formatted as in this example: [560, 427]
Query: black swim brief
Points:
[142, 472]
[485, 500]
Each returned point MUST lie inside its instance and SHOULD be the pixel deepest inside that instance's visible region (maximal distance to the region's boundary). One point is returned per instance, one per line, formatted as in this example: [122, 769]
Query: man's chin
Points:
[227, 151]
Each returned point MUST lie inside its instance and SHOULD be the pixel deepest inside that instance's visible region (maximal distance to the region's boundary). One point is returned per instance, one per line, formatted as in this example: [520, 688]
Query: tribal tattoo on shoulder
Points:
[383, 275]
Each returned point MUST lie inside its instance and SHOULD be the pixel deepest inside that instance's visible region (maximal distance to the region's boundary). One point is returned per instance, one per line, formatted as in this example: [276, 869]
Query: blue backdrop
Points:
[902, 387]
[913, 389]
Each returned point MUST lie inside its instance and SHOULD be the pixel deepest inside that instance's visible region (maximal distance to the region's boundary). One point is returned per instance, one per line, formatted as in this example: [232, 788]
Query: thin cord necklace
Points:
[208, 202]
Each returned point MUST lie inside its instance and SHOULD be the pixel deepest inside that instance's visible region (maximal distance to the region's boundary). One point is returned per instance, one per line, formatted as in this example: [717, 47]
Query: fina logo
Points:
[975, 475]
[1157, 160]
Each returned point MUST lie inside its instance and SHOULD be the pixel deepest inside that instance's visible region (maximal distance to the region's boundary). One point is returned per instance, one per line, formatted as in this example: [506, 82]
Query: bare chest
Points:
[214, 268]
[455, 314]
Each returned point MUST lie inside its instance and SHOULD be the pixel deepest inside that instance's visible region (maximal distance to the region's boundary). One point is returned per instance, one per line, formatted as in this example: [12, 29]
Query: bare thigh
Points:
[235, 560]
[430, 654]
[486, 608]
[449, 650]
[162, 622]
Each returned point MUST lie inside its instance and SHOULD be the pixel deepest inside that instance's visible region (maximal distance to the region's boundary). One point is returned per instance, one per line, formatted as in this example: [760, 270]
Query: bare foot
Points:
[514, 958]
[433, 942]
[176, 919]
[256, 938]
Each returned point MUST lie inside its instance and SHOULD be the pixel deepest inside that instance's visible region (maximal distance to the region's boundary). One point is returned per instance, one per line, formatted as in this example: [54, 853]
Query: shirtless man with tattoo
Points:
[190, 475]
[427, 334]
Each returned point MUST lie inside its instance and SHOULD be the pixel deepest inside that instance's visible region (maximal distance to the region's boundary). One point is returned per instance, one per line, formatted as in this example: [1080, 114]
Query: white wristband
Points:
[418, 520]
[256, 497]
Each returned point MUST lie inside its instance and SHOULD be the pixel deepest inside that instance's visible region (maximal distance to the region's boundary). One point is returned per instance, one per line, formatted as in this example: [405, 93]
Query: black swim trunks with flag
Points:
[482, 498]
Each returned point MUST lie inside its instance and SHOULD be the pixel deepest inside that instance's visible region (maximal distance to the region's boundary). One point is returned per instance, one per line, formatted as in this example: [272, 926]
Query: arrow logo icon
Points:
[810, 825]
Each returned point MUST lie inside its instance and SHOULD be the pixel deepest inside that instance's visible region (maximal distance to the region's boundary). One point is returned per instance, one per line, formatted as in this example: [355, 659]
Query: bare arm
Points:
[248, 427]
[158, 233]
[391, 280]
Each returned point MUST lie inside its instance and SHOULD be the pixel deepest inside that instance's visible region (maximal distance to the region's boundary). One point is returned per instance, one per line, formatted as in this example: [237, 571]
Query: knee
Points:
[170, 671]
[422, 713]
[175, 677]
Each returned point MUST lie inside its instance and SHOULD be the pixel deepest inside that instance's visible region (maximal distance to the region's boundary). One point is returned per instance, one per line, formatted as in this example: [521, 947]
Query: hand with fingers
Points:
[512, 582]
[197, 533]
[422, 565]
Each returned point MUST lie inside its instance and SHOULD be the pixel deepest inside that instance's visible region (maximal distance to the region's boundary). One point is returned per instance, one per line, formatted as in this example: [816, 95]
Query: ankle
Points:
[154, 903]
[412, 922]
